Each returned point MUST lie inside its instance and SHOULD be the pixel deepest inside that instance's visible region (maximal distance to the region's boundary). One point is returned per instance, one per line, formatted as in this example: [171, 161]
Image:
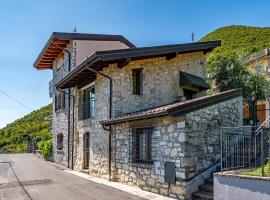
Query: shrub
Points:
[46, 148]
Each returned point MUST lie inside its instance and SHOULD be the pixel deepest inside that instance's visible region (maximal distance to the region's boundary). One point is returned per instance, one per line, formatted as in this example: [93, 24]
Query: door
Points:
[86, 151]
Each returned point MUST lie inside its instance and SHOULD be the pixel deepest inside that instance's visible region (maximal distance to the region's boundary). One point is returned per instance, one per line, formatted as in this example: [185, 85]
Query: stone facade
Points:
[98, 136]
[161, 81]
[60, 117]
[159, 72]
[190, 141]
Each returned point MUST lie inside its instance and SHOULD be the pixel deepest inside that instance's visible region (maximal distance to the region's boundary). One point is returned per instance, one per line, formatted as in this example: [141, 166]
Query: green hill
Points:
[237, 39]
[18, 136]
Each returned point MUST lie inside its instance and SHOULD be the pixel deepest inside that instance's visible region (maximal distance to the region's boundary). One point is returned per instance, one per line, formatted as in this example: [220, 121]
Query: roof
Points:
[190, 79]
[122, 57]
[50, 52]
[176, 109]
[257, 55]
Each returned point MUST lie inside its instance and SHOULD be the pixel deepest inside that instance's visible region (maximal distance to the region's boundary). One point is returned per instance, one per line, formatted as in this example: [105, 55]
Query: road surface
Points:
[25, 177]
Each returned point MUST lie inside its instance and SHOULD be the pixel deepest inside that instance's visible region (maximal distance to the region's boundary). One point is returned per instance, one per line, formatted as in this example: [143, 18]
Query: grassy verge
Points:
[258, 171]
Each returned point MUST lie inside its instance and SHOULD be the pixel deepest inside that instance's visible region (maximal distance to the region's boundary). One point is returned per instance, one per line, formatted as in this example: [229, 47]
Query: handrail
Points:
[259, 129]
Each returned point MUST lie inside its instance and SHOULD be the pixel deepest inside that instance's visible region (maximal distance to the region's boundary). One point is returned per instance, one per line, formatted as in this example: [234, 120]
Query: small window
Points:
[60, 138]
[60, 101]
[59, 61]
[189, 94]
[88, 103]
[142, 145]
[137, 81]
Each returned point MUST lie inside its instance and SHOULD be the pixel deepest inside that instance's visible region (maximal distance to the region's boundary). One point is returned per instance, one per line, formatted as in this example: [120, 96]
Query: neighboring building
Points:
[262, 59]
[137, 115]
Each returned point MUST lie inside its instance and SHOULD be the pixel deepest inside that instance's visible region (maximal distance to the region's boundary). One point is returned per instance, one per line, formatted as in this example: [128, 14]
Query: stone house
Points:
[138, 115]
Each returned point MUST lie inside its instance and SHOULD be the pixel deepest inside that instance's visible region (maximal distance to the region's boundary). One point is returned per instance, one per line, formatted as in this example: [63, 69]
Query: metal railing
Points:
[245, 147]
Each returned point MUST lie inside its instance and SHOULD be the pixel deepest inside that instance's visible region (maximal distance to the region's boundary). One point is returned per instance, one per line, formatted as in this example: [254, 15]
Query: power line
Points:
[16, 100]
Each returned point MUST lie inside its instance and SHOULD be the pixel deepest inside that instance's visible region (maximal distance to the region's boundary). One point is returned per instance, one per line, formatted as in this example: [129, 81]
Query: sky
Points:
[27, 25]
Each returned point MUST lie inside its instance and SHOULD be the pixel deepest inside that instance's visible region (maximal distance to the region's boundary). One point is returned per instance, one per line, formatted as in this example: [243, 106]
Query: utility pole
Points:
[192, 37]
[75, 29]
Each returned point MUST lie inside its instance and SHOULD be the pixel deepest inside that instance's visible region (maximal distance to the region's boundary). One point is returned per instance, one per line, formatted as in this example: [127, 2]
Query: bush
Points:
[46, 148]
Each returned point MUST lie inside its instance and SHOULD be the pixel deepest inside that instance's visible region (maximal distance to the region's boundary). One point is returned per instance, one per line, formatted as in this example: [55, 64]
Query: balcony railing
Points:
[57, 76]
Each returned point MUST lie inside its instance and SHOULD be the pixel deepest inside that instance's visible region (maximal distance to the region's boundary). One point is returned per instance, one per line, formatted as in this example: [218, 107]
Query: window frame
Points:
[59, 62]
[142, 145]
[60, 142]
[88, 103]
[59, 101]
[188, 93]
[137, 77]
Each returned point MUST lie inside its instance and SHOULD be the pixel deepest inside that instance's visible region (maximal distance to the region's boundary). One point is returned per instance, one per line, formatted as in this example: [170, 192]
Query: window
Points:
[59, 101]
[188, 94]
[142, 145]
[137, 81]
[60, 138]
[88, 103]
[59, 61]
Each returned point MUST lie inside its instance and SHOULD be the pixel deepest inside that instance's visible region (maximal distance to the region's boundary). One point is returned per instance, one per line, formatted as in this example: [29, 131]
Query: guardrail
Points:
[245, 147]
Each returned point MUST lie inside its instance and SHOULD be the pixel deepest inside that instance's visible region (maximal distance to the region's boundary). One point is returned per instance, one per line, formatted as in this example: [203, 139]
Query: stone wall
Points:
[60, 117]
[160, 86]
[191, 141]
[241, 187]
[99, 138]
[161, 81]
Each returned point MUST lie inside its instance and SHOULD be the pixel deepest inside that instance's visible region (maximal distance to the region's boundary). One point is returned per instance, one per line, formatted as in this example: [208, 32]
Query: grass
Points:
[258, 171]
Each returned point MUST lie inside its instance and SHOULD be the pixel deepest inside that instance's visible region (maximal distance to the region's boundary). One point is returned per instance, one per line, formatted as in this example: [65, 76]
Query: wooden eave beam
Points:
[45, 62]
[123, 63]
[171, 56]
[61, 42]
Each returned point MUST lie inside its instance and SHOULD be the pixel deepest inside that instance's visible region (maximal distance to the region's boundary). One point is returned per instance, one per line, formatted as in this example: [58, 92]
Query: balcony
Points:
[57, 75]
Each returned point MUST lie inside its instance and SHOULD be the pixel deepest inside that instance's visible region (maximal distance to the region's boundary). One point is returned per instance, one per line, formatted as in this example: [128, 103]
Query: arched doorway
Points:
[86, 150]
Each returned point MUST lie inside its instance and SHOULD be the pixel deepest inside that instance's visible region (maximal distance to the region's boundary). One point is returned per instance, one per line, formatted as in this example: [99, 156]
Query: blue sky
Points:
[26, 26]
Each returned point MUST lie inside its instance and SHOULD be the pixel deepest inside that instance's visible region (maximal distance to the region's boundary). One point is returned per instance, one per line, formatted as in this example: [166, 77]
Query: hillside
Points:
[238, 39]
[17, 136]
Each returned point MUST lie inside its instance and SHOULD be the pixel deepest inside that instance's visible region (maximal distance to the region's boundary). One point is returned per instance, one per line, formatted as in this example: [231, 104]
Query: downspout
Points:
[73, 127]
[110, 116]
[69, 100]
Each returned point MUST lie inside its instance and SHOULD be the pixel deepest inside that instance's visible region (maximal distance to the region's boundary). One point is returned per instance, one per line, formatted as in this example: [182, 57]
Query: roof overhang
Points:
[192, 80]
[58, 39]
[98, 60]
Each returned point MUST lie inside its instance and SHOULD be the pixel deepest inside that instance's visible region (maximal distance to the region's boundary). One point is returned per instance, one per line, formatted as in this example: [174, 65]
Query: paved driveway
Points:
[25, 177]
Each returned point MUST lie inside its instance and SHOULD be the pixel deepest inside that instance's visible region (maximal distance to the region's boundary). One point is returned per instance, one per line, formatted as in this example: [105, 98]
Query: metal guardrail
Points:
[245, 147]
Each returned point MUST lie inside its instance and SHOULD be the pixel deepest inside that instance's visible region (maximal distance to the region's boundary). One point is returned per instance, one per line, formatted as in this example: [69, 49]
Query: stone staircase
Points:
[206, 191]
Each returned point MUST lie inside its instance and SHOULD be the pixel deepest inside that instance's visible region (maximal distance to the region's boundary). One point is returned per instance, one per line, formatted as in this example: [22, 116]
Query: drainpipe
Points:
[69, 100]
[73, 127]
[110, 115]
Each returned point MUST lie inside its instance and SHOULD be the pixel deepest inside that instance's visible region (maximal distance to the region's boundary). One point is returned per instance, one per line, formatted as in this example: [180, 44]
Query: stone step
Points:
[209, 181]
[203, 195]
[207, 188]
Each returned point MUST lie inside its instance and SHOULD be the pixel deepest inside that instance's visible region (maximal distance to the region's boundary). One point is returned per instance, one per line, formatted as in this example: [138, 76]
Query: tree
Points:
[230, 73]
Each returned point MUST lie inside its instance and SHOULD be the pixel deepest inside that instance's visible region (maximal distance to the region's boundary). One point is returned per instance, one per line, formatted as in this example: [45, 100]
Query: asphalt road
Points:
[25, 177]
